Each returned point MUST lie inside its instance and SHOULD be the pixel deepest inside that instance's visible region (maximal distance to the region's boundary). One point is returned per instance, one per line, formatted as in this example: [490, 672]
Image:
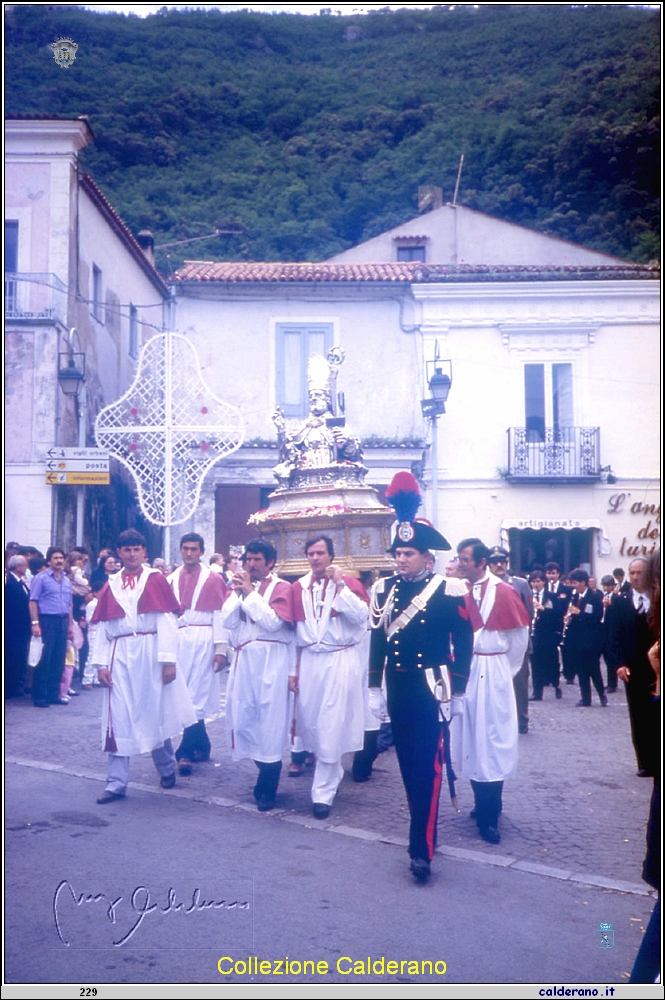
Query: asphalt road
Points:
[161, 886]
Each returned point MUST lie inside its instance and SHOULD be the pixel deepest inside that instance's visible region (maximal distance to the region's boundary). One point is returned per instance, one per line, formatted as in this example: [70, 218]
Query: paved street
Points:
[527, 910]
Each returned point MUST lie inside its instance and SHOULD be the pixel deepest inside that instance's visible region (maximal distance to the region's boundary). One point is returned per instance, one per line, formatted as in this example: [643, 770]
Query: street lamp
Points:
[71, 371]
[439, 380]
[439, 383]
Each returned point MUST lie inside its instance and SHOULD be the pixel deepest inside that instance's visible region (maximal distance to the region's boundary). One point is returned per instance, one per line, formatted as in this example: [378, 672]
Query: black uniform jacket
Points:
[584, 634]
[441, 634]
[548, 623]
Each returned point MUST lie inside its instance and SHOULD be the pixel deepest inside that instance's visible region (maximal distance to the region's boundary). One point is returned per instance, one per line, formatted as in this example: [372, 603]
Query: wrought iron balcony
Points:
[35, 298]
[553, 455]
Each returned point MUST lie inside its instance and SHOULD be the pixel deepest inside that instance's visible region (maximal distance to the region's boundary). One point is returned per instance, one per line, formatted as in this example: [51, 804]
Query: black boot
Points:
[265, 788]
[364, 759]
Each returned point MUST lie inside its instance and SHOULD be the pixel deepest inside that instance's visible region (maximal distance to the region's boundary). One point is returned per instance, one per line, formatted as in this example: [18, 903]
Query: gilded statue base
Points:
[352, 515]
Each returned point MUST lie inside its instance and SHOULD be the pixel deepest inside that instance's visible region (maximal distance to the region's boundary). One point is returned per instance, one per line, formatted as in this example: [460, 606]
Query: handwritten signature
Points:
[141, 904]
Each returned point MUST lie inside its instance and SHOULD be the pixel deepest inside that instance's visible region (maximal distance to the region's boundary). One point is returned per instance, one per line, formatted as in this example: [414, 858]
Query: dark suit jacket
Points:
[17, 634]
[547, 627]
[584, 635]
[561, 599]
[522, 587]
[17, 612]
[632, 638]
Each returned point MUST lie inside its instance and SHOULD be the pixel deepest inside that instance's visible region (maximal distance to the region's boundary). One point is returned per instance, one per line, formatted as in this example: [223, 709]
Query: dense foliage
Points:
[306, 135]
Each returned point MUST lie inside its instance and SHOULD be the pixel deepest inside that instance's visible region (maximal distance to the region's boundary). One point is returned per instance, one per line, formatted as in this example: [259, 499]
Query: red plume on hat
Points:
[403, 495]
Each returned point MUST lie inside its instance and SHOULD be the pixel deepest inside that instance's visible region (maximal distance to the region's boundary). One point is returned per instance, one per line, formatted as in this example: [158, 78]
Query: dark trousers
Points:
[544, 666]
[521, 689]
[17, 644]
[487, 795]
[195, 743]
[639, 696]
[647, 963]
[46, 682]
[588, 670]
[418, 733]
[363, 760]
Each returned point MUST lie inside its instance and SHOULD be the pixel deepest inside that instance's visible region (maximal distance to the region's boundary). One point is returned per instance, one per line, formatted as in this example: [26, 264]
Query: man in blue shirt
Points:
[51, 619]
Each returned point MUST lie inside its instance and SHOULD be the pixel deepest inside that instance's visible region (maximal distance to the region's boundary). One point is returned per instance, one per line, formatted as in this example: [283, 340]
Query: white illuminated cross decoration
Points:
[169, 429]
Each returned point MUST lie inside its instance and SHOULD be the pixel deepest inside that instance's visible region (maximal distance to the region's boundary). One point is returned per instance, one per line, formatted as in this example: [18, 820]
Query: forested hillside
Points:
[306, 135]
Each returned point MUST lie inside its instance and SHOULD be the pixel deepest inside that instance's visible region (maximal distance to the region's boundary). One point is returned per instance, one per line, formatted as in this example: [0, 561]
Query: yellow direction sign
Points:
[78, 478]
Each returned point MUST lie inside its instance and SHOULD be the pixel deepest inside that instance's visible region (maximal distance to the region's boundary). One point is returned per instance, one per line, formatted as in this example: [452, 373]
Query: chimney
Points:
[146, 241]
[429, 197]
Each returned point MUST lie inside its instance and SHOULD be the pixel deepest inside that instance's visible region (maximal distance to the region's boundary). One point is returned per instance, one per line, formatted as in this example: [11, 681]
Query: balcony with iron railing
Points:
[554, 455]
[35, 298]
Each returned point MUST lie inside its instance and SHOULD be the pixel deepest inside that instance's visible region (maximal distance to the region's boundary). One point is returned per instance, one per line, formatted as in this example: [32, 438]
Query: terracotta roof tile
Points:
[407, 271]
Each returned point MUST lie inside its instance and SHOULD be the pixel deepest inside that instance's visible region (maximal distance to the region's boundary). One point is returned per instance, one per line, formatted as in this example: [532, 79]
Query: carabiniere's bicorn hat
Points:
[404, 497]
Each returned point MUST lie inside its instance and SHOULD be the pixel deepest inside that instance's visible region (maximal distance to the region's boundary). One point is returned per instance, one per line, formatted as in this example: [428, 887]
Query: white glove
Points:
[376, 703]
[456, 705]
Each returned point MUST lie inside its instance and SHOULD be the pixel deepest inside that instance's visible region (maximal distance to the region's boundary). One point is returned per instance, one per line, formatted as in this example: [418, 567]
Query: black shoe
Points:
[611, 690]
[41, 704]
[490, 834]
[360, 776]
[185, 766]
[421, 869]
[570, 682]
[583, 704]
[320, 810]
[106, 797]
[523, 728]
[536, 697]
[168, 781]
[643, 774]
[558, 692]
[603, 701]
[473, 814]
[264, 803]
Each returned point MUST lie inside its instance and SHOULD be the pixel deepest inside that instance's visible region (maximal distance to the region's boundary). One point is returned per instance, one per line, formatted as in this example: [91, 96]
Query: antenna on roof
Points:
[459, 174]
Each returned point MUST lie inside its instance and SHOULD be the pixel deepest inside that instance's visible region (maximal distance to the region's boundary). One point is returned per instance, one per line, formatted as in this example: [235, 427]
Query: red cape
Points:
[355, 586]
[281, 599]
[508, 611]
[213, 594]
[157, 596]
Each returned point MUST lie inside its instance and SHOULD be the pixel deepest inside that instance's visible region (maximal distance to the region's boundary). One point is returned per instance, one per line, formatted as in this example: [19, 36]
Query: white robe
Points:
[257, 694]
[144, 712]
[330, 706]
[198, 632]
[484, 739]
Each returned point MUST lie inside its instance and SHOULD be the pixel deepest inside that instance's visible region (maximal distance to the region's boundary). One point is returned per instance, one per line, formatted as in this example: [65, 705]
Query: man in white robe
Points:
[484, 729]
[146, 703]
[258, 614]
[330, 680]
[201, 644]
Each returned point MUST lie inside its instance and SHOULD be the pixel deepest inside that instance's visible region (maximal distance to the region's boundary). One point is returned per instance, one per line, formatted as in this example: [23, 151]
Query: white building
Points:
[70, 262]
[550, 437]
